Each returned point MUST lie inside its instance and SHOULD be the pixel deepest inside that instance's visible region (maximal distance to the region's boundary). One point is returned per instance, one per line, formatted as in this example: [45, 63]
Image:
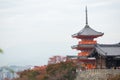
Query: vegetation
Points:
[117, 77]
[61, 71]
[1, 51]
[28, 75]
[58, 71]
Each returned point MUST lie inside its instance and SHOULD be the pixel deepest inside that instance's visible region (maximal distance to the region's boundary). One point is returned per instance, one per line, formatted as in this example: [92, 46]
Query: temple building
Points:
[106, 55]
[93, 55]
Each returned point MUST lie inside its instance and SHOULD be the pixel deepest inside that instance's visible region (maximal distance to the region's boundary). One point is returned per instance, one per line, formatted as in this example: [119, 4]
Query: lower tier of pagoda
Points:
[83, 46]
[87, 63]
[83, 54]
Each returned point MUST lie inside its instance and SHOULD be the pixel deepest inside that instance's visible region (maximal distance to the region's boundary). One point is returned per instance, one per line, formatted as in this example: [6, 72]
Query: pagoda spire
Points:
[86, 16]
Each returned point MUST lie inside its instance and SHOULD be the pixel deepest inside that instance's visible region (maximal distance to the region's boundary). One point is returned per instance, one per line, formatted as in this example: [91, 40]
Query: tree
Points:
[28, 75]
[37, 73]
[56, 59]
[1, 51]
[61, 71]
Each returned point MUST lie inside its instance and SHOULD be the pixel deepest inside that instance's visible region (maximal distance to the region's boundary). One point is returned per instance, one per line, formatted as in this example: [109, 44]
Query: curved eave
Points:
[83, 46]
[86, 36]
[87, 32]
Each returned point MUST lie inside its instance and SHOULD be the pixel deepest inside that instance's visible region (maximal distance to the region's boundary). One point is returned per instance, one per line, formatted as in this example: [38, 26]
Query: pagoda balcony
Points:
[83, 46]
[83, 54]
[88, 42]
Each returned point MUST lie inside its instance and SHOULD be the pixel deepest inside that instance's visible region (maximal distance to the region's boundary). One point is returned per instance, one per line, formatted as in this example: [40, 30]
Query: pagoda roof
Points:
[83, 46]
[87, 32]
[108, 49]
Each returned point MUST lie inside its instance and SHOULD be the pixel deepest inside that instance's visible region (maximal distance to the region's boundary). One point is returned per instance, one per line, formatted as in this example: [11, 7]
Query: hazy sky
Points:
[31, 31]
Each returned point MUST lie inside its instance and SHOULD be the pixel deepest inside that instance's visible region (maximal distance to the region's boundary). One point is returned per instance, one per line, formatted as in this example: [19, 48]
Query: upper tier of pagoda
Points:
[87, 32]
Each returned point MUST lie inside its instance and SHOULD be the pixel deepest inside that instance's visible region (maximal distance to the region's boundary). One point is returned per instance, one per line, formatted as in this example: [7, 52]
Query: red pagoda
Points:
[86, 44]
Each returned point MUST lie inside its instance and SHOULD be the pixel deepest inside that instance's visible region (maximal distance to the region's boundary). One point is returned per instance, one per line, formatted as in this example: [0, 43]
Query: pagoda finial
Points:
[86, 16]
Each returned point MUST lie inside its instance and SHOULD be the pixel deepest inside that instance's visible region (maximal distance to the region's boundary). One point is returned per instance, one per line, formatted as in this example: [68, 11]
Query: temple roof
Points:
[83, 46]
[108, 49]
[87, 31]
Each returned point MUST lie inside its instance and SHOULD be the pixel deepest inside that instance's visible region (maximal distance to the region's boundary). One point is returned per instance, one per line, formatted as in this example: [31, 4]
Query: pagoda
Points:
[86, 44]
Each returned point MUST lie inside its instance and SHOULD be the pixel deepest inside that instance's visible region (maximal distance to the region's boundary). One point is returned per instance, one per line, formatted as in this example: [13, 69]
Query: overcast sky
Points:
[31, 31]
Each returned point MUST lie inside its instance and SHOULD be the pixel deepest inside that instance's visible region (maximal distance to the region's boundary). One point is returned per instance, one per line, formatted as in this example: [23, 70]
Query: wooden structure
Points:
[94, 55]
[86, 44]
[107, 55]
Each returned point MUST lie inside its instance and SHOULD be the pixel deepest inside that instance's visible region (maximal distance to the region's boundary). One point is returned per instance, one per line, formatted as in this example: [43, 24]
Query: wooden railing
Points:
[83, 54]
[87, 42]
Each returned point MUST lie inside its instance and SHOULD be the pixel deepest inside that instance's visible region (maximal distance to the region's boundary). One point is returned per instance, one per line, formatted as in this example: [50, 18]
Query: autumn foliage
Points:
[59, 71]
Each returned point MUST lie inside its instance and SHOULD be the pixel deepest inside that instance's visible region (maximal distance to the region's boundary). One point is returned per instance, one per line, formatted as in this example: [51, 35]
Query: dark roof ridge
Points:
[98, 46]
[109, 45]
[88, 27]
